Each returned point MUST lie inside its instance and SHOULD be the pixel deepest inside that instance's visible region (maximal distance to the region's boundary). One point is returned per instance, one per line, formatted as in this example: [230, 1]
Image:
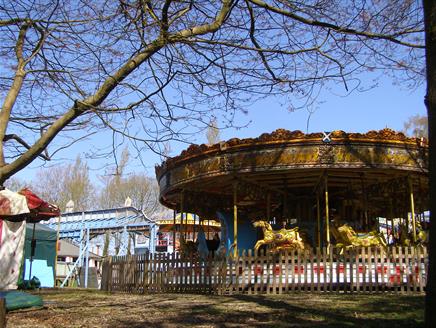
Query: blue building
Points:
[127, 230]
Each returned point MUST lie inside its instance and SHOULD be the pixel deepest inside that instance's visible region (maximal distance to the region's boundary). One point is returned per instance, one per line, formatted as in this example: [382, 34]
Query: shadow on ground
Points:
[98, 309]
[270, 311]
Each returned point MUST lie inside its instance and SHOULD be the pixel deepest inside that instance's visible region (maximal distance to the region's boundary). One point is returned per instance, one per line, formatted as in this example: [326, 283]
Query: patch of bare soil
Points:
[82, 308]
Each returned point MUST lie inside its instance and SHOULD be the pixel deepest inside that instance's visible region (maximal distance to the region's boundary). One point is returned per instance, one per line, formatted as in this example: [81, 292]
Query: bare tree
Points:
[59, 184]
[141, 189]
[155, 71]
[119, 185]
[416, 126]
[15, 184]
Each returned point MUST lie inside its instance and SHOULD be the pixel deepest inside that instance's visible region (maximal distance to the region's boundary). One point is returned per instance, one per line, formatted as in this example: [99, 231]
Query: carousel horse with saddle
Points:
[283, 239]
[347, 238]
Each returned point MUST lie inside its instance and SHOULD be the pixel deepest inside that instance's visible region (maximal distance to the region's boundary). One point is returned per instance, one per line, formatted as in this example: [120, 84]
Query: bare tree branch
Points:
[159, 71]
[341, 29]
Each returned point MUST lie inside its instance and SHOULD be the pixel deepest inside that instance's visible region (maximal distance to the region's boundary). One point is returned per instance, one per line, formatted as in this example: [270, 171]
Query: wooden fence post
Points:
[109, 277]
[104, 269]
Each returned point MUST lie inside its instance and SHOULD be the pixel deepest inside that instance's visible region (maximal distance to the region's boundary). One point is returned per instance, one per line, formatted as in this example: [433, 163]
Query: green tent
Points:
[42, 261]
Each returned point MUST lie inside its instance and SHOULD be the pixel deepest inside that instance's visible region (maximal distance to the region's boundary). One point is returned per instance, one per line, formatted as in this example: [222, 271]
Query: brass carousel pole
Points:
[365, 201]
[194, 227]
[318, 219]
[174, 231]
[326, 193]
[182, 198]
[268, 206]
[391, 215]
[412, 208]
[235, 220]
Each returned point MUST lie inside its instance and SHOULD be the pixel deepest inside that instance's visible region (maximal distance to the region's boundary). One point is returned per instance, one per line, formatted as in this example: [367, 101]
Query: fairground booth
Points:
[27, 248]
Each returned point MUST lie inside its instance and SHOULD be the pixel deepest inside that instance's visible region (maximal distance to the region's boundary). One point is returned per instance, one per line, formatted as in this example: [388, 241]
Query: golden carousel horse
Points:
[282, 239]
[406, 237]
[421, 236]
[347, 238]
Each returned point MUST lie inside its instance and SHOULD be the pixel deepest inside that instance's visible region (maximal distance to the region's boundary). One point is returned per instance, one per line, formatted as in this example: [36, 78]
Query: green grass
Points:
[82, 308]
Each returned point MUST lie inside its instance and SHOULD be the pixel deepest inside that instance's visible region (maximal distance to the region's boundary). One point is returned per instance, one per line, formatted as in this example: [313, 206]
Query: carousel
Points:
[185, 229]
[288, 189]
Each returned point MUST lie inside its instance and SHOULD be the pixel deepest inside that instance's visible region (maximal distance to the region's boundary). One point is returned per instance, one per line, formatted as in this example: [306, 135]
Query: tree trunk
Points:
[430, 101]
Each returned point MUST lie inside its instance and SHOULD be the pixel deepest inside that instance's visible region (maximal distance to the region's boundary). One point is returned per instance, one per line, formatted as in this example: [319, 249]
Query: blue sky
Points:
[386, 105]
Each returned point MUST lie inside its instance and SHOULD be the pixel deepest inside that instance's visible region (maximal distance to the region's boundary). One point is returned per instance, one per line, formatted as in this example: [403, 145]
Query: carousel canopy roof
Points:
[191, 222]
[292, 167]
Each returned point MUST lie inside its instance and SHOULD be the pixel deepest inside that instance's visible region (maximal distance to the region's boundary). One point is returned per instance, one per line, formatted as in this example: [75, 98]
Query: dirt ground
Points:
[82, 308]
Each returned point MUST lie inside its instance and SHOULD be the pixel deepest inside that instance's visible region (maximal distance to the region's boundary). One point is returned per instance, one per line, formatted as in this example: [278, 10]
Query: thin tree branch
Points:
[340, 29]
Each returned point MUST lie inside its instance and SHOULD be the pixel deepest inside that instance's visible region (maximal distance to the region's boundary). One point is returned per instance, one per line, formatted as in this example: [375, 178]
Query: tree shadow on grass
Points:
[267, 311]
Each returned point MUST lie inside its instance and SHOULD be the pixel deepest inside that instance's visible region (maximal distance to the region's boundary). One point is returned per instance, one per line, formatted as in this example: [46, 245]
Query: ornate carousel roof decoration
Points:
[286, 167]
[387, 136]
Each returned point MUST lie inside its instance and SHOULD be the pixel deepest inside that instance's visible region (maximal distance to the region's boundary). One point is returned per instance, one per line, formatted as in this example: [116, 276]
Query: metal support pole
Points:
[194, 226]
[365, 201]
[153, 239]
[391, 215]
[182, 199]
[125, 241]
[285, 211]
[188, 226]
[327, 212]
[391, 237]
[174, 231]
[72, 270]
[32, 250]
[235, 220]
[318, 219]
[81, 247]
[87, 258]
[268, 206]
[81, 238]
[57, 249]
[412, 209]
